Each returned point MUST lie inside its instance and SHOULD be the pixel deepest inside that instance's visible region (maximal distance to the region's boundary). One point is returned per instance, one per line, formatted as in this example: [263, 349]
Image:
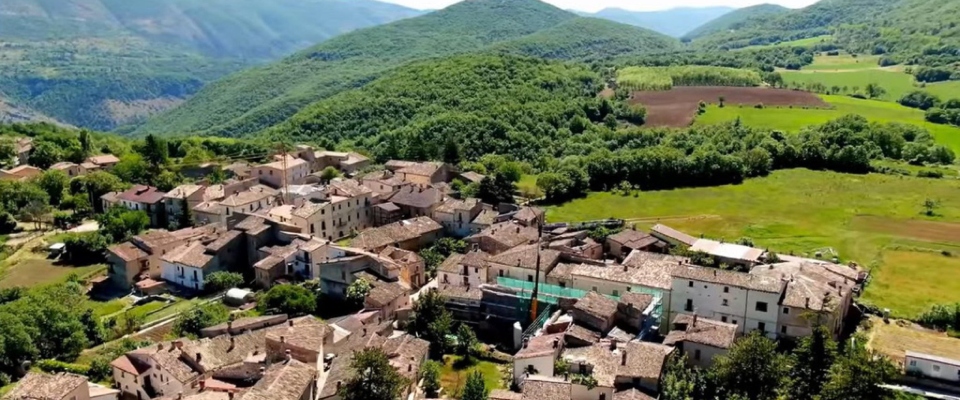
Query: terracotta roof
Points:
[24, 171]
[292, 162]
[406, 354]
[668, 232]
[396, 232]
[527, 213]
[526, 257]
[422, 168]
[42, 386]
[385, 293]
[472, 176]
[636, 300]
[509, 234]
[89, 165]
[304, 332]
[631, 394]
[454, 205]
[460, 292]
[288, 380]
[242, 324]
[643, 360]
[125, 364]
[582, 333]
[190, 254]
[473, 259]
[397, 164]
[539, 346]
[183, 191]
[246, 197]
[729, 278]
[704, 331]
[103, 159]
[417, 197]
[543, 388]
[353, 158]
[127, 251]
[811, 285]
[348, 187]
[485, 217]
[63, 165]
[142, 194]
[597, 305]
[633, 239]
[224, 239]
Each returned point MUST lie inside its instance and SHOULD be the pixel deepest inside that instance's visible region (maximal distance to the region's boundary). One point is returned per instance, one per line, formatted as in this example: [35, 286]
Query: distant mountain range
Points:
[258, 98]
[674, 22]
[103, 63]
[736, 19]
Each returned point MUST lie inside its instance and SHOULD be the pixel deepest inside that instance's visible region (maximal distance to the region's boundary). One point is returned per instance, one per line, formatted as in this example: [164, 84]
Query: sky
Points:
[635, 5]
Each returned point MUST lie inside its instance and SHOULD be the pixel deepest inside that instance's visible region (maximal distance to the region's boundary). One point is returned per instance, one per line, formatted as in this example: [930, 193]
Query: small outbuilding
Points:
[238, 297]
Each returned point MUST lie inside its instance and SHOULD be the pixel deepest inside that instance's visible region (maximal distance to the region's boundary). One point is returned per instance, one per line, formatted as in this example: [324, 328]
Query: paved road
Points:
[922, 392]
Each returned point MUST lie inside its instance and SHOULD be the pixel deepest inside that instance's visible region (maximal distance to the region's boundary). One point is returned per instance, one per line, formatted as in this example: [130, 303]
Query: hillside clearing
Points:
[802, 211]
[894, 81]
[793, 119]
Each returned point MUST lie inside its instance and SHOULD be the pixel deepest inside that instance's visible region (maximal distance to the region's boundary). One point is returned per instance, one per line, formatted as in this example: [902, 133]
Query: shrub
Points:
[56, 366]
[759, 106]
[7, 223]
[930, 174]
[85, 248]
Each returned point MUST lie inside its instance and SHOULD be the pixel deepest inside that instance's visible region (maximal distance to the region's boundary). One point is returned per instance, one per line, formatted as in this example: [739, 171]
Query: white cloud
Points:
[596, 5]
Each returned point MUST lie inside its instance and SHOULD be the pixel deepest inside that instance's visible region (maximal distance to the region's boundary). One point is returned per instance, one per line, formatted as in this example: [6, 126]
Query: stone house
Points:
[701, 339]
[411, 234]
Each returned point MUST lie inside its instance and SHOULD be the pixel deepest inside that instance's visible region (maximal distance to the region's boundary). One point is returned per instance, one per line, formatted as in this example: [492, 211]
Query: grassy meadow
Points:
[793, 119]
[793, 43]
[875, 220]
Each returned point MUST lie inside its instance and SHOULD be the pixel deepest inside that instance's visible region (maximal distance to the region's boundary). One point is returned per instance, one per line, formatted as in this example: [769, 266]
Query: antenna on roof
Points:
[536, 276]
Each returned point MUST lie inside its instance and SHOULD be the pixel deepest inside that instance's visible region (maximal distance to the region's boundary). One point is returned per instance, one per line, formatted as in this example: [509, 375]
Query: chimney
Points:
[203, 384]
[518, 229]
[263, 370]
[160, 346]
[409, 367]
[231, 343]
[694, 320]
[287, 352]
[613, 344]
[283, 339]
[364, 332]
[199, 357]
[178, 344]
[230, 326]
[623, 358]
[290, 322]
[180, 396]
[339, 383]
[625, 268]
[808, 302]
[556, 342]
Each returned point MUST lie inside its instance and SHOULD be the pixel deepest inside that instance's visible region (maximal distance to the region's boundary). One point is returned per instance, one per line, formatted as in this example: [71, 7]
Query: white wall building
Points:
[932, 366]
[748, 301]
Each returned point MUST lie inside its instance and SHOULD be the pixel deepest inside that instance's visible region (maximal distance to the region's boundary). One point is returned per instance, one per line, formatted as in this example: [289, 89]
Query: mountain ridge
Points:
[258, 98]
[674, 22]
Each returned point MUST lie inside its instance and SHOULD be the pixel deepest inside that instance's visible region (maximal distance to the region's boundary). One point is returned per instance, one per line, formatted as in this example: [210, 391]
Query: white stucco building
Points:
[749, 301]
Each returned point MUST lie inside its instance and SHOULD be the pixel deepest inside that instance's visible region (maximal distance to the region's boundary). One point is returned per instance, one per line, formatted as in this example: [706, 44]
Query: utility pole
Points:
[283, 164]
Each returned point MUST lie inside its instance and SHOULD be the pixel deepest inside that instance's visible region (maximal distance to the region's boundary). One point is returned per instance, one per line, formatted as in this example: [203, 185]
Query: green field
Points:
[793, 43]
[454, 373]
[842, 72]
[842, 62]
[792, 119]
[873, 219]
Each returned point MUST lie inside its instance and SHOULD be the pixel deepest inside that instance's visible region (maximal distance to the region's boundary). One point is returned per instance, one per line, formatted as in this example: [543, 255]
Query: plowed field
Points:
[678, 106]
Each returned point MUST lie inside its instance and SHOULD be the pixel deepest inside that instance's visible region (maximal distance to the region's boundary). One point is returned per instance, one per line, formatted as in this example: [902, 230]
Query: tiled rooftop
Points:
[730, 278]
[702, 331]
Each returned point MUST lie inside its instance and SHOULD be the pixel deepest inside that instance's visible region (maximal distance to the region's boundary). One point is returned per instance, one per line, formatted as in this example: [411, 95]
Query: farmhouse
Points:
[20, 173]
[701, 339]
[71, 169]
[101, 162]
[746, 300]
[411, 234]
[286, 170]
[60, 386]
[139, 198]
[622, 243]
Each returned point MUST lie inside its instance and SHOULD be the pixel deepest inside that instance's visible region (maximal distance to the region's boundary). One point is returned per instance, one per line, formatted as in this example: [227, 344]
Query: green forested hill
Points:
[103, 63]
[587, 39]
[261, 97]
[736, 19]
[673, 22]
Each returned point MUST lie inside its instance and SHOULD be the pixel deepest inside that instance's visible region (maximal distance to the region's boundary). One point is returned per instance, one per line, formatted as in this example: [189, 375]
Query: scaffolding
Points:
[551, 294]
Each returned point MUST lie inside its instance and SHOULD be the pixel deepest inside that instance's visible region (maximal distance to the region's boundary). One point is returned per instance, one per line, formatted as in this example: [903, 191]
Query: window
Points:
[696, 354]
[725, 302]
[343, 275]
[616, 293]
[690, 284]
[761, 306]
[726, 289]
[723, 318]
[529, 278]
[913, 363]
[476, 270]
[936, 368]
[689, 305]
[733, 322]
[594, 289]
[783, 329]
[786, 311]
[500, 272]
[313, 228]
[762, 327]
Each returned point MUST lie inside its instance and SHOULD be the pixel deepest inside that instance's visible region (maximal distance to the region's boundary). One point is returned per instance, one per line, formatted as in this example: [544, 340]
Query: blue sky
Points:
[596, 5]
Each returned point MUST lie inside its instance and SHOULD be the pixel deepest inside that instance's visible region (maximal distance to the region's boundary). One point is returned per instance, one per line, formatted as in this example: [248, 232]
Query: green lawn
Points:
[792, 119]
[873, 219]
[842, 62]
[793, 43]
[896, 83]
[454, 374]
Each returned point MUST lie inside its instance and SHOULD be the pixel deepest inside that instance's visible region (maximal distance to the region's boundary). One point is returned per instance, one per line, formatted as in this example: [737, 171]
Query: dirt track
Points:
[678, 106]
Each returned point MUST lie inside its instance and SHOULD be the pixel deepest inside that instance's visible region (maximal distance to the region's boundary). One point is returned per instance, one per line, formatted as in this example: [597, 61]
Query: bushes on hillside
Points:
[919, 99]
[925, 74]
[946, 113]
[85, 248]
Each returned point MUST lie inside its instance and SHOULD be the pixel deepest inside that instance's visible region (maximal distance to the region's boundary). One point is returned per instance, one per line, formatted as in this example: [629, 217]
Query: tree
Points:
[85, 248]
[45, 154]
[857, 374]
[357, 291]
[288, 299]
[8, 152]
[166, 180]
[222, 280]
[8, 224]
[155, 152]
[475, 388]
[185, 219]
[328, 174]
[752, 368]
[35, 211]
[430, 373]
[466, 341]
[373, 378]
[16, 343]
[930, 207]
[811, 361]
[495, 190]
[191, 322]
[745, 241]
[54, 182]
[451, 151]
[874, 90]
[432, 322]
[133, 168]
[95, 185]
[919, 99]
[679, 380]
[217, 176]
[120, 224]
[610, 121]
[86, 142]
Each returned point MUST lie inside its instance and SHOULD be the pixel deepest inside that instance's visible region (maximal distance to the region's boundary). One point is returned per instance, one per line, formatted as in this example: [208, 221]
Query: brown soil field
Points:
[678, 106]
[929, 231]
